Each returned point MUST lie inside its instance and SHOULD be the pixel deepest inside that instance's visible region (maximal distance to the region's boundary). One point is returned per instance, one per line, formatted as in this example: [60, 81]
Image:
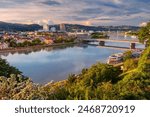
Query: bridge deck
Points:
[115, 47]
[113, 40]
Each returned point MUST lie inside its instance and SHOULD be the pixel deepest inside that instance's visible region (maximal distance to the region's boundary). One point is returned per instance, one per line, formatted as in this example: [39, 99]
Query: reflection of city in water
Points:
[28, 51]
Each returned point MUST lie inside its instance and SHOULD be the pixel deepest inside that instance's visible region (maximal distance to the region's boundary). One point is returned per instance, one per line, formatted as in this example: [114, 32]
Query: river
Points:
[56, 63]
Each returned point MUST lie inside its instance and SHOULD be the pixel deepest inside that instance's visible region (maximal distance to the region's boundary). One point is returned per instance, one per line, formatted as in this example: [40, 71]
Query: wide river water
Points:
[47, 64]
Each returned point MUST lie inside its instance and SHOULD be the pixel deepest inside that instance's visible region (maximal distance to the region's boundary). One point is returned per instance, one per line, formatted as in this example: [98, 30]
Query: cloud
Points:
[104, 18]
[44, 21]
[50, 2]
[143, 24]
[88, 11]
[117, 1]
[97, 12]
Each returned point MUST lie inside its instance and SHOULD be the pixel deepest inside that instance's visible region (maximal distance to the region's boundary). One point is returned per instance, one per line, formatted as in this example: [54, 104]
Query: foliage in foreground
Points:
[144, 34]
[101, 81]
[6, 69]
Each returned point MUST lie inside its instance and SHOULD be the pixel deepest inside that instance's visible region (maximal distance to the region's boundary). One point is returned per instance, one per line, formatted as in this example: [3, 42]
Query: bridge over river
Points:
[102, 41]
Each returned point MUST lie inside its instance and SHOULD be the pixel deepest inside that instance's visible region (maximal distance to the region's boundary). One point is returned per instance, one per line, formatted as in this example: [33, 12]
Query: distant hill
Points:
[73, 27]
[70, 27]
[18, 27]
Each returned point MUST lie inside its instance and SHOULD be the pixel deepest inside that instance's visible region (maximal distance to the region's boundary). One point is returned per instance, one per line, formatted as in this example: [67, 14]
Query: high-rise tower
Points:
[62, 27]
[46, 27]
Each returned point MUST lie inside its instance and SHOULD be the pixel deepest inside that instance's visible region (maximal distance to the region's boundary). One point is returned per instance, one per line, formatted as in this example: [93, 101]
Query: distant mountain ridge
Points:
[18, 27]
[100, 28]
[69, 27]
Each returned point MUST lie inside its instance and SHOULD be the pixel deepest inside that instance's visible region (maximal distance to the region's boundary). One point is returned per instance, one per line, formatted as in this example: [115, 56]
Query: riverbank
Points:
[36, 47]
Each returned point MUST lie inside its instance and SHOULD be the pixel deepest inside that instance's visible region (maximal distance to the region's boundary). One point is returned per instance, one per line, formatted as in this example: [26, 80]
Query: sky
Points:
[86, 12]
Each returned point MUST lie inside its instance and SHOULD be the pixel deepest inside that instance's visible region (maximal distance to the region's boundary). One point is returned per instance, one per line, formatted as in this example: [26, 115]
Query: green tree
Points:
[144, 34]
[127, 55]
[12, 43]
[136, 83]
[36, 42]
[27, 43]
[129, 64]
[99, 35]
[6, 70]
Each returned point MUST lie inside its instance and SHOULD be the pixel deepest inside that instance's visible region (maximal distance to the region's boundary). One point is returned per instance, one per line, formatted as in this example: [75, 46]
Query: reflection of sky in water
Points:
[44, 66]
[119, 44]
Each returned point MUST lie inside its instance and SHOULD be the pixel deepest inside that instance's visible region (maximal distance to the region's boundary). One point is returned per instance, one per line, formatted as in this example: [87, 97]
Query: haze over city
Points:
[87, 12]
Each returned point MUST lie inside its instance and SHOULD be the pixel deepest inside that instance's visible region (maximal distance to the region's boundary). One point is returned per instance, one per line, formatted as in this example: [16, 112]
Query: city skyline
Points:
[86, 12]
